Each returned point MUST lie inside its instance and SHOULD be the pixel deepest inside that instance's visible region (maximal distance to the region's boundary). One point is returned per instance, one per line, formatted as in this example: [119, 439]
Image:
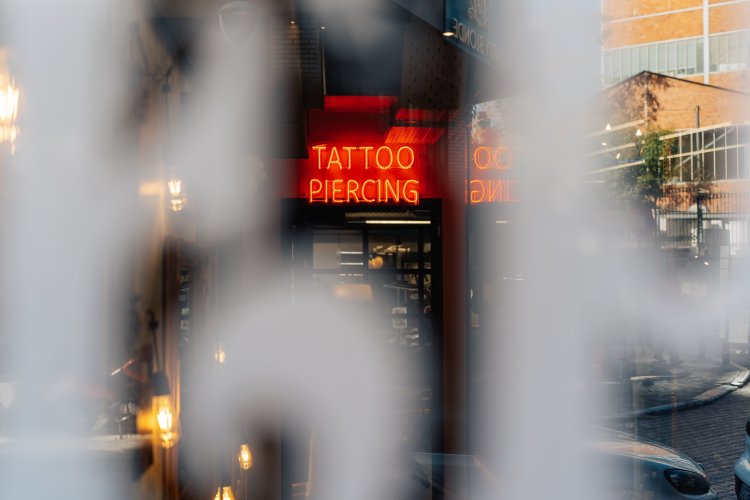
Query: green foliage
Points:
[640, 186]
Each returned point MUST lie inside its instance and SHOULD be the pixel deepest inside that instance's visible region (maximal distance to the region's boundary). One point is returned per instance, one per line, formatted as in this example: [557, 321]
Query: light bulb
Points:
[9, 103]
[220, 355]
[175, 186]
[224, 493]
[167, 424]
[177, 204]
[245, 458]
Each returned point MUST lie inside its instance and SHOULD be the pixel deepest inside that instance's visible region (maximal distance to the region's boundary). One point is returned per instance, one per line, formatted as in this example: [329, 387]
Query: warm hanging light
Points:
[220, 354]
[638, 133]
[167, 424]
[245, 458]
[177, 198]
[175, 186]
[9, 97]
[608, 127]
[224, 493]
[166, 421]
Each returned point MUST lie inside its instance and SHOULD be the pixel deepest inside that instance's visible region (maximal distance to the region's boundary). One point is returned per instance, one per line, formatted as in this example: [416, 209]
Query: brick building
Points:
[699, 40]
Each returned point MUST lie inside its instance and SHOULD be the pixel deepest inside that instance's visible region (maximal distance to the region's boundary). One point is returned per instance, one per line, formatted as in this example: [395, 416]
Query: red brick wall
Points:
[677, 100]
[729, 18]
[736, 80]
[668, 26]
[653, 29]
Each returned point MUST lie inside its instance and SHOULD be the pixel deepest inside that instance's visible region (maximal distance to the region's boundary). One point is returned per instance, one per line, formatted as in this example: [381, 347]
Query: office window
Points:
[713, 54]
[744, 40]
[626, 62]
[681, 58]
[672, 57]
[734, 50]
[607, 66]
[716, 154]
[616, 67]
[727, 52]
[691, 67]
[662, 67]
[653, 63]
[723, 53]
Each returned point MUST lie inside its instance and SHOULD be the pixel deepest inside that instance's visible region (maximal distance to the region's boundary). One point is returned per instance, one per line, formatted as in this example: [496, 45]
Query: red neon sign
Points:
[489, 181]
[362, 174]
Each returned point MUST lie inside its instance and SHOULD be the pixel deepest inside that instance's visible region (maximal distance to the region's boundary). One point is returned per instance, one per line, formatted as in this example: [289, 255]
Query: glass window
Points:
[707, 164]
[643, 59]
[616, 70]
[743, 133]
[721, 164]
[720, 138]
[713, 54]
[707, 141]
[731, 156]
[732, 136]
[699, 55]
[338, 250]
[672, 57]
[742, 162]
[634, 52]
[607, 67]
[652, 59]
[734, 51]
[681, 60]
[625, 62]
[743, 46]
[690, 67]
[397, 251]
[723, 53]
[662, 57]
[686, 143]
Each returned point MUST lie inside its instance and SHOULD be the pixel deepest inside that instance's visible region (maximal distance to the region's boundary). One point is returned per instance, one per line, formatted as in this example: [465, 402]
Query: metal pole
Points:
[699, 229]
[697, 117]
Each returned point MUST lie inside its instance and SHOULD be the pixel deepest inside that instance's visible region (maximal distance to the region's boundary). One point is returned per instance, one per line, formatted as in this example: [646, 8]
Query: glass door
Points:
[387, 263]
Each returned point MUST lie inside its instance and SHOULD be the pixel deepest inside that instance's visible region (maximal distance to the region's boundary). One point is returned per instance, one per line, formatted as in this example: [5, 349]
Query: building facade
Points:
[703, 41]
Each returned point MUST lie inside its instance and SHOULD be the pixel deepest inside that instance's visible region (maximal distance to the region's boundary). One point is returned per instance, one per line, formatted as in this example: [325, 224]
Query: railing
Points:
[702, 219]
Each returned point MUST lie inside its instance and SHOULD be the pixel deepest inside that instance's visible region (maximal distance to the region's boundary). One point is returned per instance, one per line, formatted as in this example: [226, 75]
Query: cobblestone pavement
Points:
[670, 386]
[712, 435]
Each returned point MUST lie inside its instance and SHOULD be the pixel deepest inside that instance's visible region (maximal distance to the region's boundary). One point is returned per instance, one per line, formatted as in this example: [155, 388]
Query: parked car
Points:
[742, 469]
[628, 468]
[639, 469]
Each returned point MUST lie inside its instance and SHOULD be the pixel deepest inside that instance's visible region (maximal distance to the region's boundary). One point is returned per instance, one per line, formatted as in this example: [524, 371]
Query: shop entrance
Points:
[387, 262]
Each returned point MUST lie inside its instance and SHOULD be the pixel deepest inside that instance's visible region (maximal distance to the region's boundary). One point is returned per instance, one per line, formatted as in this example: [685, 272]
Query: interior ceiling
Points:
[380, 50]
[363, 49]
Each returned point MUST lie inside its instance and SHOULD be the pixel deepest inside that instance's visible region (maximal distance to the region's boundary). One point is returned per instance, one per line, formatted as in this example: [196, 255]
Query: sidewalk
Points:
[656, 386]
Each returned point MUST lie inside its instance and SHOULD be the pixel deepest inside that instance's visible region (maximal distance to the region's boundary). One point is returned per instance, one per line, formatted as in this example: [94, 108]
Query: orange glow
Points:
[499, 158]
[340, 174]
[384, 157]
[245, 458]
[490, 182]
[493, 191]
[368, 191]
[167, 425]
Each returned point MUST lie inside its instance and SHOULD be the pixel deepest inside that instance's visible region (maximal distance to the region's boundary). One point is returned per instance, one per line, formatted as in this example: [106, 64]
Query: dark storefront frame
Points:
[301, 219]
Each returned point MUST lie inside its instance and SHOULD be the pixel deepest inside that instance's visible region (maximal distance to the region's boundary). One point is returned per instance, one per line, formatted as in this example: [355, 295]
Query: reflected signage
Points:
[490, 182]
[356, 174]
[470, 23]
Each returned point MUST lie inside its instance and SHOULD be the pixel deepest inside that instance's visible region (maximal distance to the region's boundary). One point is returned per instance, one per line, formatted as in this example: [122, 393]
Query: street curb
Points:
[702, 399]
